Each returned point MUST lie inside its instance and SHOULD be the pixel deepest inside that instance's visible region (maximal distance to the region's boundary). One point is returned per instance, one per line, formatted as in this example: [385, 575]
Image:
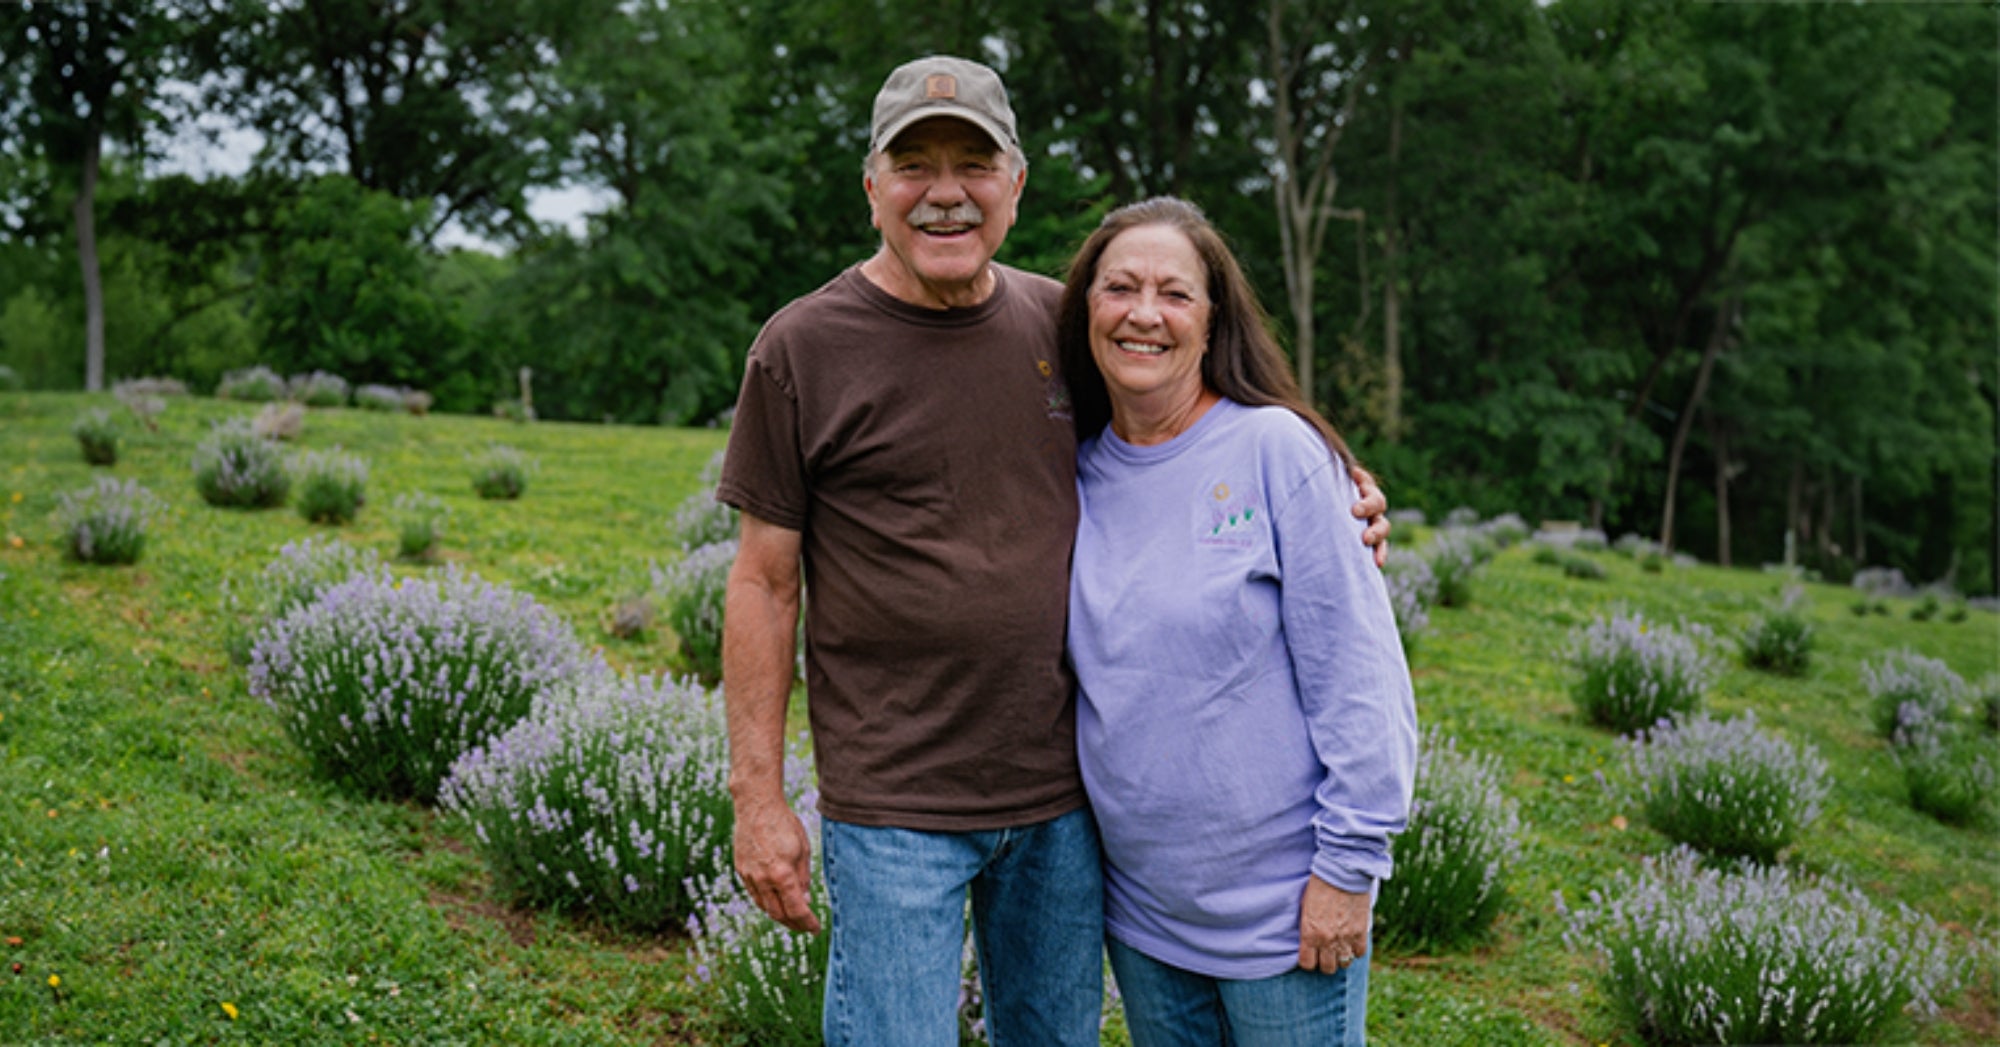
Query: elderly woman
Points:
[1244, 716]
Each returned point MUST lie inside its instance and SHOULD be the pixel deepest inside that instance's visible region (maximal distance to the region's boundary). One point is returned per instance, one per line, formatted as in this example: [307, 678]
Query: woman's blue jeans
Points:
[1166, 1006]
[898, 899]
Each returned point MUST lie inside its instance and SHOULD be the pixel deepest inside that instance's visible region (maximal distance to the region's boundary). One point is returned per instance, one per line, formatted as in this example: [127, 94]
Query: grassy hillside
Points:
[168, 863]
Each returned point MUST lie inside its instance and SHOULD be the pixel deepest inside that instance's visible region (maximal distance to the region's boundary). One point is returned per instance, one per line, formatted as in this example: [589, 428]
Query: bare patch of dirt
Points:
[462, 913]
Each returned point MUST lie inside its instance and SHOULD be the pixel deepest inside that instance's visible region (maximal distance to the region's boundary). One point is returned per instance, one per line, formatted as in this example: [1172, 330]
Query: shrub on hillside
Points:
[373, 397]
[10, 379]
[1951, 772]
[384, 683]
[97, 435]
[1635, 673]
[1505, 530]
[1780, 640]
[1461, 518]
[1412, 590]
[106, 522]
[771, 981]
[1452, 858]
[1988, 703]
[691, 591]
[1724, 787]
[1880, 581]
[1455, 557]
[500, 473]
[255, 384]
[1547, 555]
[701, 520]
[611, 797]
[1698, 955]
[294, 578]
[280, 421]
[1908, 691]
[420, 520]
[1577, 565]
[332, 486]
[319, 389]
[146, 397]
[417, 402]
[235, 468]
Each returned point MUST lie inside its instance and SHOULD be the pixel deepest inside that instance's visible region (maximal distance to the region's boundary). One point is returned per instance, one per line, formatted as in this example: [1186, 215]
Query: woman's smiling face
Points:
[1149, 312]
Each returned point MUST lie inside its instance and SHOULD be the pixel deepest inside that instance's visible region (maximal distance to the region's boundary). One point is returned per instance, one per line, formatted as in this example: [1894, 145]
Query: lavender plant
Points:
[1505, 530]
[280, 421]
[373, 397]
[1462, 517]
[384, 683]
[1951, 773]
[1635, 674]
[772, 981]
[256, 384]
[294, 578]
[319, 389]
[146, 397]
[1780, 640]
[500, 473]
[692, 590]
[1697, 955]
[236, 468]
[332, 486]
[1907, 691]
[106, 522]
[610, 797]
[1450, 861]
[1577, 565]
[1455, 556]
[700, 520]
[1724, 787]
[1412, 589]
[420, 520]
[97, 435]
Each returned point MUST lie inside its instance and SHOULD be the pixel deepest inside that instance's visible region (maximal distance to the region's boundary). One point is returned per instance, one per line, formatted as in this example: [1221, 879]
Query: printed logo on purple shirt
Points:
[1232, 512]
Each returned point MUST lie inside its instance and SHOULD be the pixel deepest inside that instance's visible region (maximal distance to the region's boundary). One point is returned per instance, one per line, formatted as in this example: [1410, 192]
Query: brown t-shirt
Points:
[928, 460]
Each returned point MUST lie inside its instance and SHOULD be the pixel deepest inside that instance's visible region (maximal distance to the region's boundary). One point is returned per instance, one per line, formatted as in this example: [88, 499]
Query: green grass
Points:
[163, 850]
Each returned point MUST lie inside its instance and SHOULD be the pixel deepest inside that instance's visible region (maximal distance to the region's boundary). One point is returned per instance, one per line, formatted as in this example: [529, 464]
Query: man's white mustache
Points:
[967, 213]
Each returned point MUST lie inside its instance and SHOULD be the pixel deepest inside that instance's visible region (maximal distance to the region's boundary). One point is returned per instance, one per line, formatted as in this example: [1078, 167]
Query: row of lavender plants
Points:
[260, 384]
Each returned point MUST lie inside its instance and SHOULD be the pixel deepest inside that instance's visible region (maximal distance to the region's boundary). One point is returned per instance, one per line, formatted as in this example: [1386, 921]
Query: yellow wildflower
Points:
[55, 981]
[229, 1009]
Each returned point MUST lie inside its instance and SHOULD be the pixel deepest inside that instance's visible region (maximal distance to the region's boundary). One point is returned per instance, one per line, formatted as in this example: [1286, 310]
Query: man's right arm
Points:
[760, 622]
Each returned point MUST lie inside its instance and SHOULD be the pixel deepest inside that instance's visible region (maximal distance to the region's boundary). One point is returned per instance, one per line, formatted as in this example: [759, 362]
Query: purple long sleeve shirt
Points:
[1245, 716]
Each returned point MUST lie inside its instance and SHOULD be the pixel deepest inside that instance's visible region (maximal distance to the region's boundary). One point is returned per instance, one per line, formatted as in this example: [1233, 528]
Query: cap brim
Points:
[888, 134]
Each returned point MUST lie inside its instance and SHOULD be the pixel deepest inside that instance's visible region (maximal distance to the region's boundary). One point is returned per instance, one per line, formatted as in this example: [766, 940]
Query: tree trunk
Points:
[1794, 495]
[1829, 498]
[1725, 318]
[86, 259]
[1721, 441]
[1860, 528]
[1392, 298]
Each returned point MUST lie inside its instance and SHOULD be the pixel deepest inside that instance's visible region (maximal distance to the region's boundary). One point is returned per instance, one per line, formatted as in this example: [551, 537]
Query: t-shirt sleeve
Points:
[763, 473]
[1353, 680]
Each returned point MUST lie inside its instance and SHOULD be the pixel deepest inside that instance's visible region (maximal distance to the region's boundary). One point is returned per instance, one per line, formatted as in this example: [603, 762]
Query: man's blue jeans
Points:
[1166, 1006]
[898, 900]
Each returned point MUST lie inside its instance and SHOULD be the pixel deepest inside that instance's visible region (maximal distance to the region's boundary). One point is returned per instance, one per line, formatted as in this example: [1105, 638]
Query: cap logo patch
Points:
[940, 85]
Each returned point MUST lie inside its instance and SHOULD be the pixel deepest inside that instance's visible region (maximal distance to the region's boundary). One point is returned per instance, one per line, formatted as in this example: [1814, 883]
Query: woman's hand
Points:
[1333, 926]
[1373, 507]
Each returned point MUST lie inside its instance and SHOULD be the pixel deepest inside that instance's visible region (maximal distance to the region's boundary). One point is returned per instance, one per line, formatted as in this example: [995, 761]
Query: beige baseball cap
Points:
[941, 85]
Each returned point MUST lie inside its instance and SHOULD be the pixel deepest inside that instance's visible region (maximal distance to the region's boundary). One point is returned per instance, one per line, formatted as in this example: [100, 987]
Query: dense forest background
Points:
[1721, 274]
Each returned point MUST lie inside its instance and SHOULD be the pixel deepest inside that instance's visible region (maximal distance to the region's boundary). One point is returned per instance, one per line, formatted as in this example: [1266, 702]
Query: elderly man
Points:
[903, 433]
